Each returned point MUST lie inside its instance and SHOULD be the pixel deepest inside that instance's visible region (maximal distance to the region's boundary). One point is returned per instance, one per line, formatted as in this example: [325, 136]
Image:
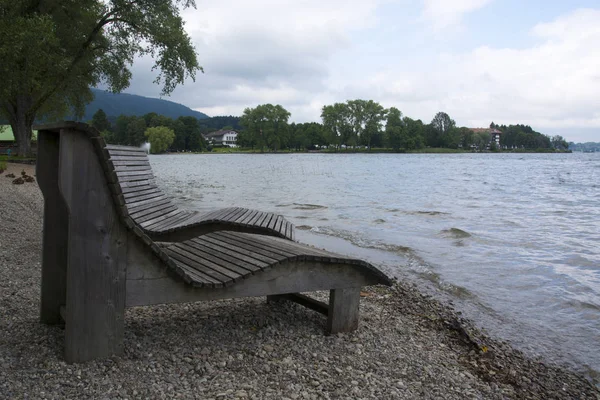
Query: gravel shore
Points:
[409, 345]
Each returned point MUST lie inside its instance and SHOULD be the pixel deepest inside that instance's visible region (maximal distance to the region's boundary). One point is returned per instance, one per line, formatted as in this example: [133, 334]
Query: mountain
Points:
[115, 104]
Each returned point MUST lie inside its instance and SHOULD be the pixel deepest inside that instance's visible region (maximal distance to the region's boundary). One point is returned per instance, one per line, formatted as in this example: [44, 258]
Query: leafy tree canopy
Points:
[160, 138]
[53, 51]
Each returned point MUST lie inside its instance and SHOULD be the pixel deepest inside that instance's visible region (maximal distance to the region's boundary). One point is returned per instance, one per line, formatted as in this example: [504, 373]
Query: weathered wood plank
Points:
[275, 254]
[133, 163]
[237, 268]
[130, 172]
[236, 251]
[114, 158]
[160, 218]
[127, 153]
[134, 205]
[146, 176]
[152, 212]
[254, 242]
[184, 258]
[265, 222]
[240, 259]
[55, 233]
[286, 278]
[111, 147]
[96, 271]
[303, 300]
[343, 310]
[173, 222]
[135, 200]
[143, 190]
[197, 258]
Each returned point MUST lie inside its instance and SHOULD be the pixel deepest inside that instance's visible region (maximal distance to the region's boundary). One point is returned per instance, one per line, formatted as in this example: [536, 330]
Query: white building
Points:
[223, 137]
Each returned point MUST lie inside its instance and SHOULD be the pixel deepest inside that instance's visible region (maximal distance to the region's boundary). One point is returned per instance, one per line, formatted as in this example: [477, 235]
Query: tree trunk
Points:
[21, 119]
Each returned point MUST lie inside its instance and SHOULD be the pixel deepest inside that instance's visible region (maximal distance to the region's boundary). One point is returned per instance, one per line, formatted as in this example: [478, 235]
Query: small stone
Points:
[268, 348]
[205, 351]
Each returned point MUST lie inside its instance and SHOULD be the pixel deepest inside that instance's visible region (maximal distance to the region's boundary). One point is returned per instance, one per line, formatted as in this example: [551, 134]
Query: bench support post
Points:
[97, 255]
[343, 310]
[55, 236]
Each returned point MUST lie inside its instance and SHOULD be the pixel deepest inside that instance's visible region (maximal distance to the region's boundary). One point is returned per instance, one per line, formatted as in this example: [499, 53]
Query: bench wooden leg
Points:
[55, 237]
[97, 256]
[343, 310]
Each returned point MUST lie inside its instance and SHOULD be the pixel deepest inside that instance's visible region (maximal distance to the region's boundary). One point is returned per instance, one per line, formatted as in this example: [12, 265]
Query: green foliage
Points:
[160, 138]
[100, 121]
[265, 126]
[2, 166]
[53, 52]
[356, 122]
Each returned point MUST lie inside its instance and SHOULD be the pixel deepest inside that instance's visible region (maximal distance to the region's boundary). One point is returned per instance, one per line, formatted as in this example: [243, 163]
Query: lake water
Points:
[512, 239]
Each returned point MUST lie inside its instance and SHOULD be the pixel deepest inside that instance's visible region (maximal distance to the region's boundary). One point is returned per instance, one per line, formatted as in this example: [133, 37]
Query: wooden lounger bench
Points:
[128, 168]
[97, 259]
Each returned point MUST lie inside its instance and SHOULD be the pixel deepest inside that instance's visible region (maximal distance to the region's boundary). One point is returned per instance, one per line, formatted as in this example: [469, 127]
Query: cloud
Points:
[553, 84]
[263, 51]
[306, 54]
[443, 14]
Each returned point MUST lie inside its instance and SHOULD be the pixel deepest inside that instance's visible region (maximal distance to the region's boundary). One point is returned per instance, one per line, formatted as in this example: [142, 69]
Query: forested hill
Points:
[131, 104]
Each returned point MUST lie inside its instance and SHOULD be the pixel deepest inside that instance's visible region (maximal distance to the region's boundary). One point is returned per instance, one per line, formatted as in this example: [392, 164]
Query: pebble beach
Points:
[409, 344]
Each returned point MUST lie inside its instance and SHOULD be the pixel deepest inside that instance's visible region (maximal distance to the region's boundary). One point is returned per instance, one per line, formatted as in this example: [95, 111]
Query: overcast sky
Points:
[509, 61]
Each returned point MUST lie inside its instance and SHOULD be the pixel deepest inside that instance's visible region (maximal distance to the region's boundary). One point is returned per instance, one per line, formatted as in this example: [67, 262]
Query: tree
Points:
[160, 138]
[394, 129]
[52, 52]
[265, 125]
[336, 121]
[100, 121]
[443, 127]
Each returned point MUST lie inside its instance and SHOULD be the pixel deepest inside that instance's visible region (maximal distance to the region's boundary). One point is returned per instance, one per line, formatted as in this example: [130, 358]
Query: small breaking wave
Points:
[361, 241]
[455, 233]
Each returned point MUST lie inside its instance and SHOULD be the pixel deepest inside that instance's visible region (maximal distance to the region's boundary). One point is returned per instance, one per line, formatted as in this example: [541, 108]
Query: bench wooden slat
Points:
[273, 253]
[128, 178]
[248, 263]
[229, 270]
[247, 217]
[134, 200]
[172, 222]
[143, 207]
[114, 158]
[137, 204]
[114, 147]
[137, 188]
[265, 222]
[234, 215]
[197, 278]
[160, 218]
[153, 212]
[256, 218]
[234, 250]
[130, 163]
[216, 215]
[188, 259]
[279, 225]
[120, 170]
[132, 195]
[141, 182]
[277, 249]
[284, 244]
[127, 153]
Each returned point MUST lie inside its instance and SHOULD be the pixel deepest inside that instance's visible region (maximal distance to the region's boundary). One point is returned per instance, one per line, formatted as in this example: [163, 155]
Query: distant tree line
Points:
[186, 131]
[368, 124]
[355, 123]
[592, 147]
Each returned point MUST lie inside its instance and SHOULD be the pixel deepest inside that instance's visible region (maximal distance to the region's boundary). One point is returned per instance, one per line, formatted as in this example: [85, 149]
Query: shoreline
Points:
[409, 344]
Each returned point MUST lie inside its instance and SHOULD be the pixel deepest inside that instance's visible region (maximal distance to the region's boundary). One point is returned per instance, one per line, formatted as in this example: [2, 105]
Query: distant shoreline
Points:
[377, 151]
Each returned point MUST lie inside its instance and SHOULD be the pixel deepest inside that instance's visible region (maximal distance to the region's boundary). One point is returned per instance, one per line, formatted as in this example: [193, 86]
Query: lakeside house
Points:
[223, 137]
[494, 134]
